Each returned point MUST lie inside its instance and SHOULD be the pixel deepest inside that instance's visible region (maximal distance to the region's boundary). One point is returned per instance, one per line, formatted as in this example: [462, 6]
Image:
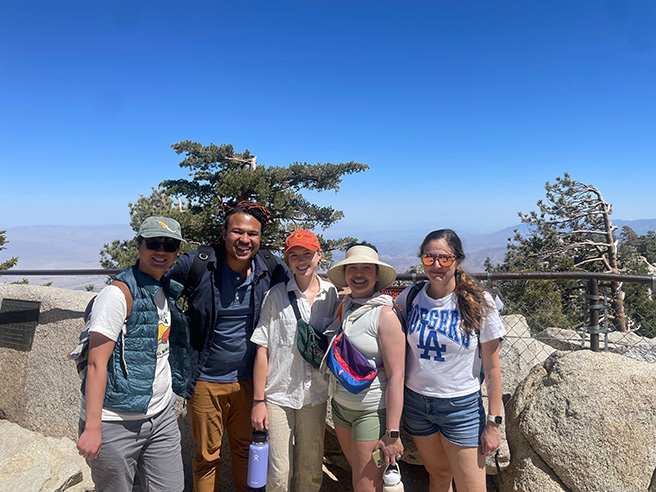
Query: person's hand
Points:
[88, 445]
[490, 439]
[392, 449]
[259, 416]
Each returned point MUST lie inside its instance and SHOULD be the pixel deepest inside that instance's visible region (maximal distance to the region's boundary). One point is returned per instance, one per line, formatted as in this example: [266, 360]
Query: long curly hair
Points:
[470, 295]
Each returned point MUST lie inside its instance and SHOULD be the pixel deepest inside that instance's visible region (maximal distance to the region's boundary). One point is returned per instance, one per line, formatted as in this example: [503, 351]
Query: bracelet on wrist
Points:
[258, 401]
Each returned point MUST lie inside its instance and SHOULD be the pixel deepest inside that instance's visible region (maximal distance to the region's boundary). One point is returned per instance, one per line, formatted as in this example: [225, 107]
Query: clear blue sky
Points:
[463, 109]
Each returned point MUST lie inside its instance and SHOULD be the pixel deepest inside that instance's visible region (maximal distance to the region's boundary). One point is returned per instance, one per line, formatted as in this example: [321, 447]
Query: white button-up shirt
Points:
[291, 381]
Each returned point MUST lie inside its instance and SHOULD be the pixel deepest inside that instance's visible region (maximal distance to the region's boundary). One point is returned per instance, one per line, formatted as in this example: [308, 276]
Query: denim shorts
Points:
[461, 420]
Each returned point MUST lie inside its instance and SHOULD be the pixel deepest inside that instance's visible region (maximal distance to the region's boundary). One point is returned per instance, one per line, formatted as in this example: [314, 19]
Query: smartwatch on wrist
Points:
[393, 434]
[497, 419]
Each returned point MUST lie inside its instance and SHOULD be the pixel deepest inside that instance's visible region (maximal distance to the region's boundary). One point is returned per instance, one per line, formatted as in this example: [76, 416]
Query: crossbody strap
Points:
[292, 300]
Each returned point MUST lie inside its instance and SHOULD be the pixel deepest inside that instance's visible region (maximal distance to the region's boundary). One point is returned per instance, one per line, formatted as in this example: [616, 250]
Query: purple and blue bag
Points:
[349, 365]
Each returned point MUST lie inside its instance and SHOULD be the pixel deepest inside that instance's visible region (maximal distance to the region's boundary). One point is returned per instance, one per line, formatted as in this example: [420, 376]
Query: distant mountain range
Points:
[59, 248]
[78, 247]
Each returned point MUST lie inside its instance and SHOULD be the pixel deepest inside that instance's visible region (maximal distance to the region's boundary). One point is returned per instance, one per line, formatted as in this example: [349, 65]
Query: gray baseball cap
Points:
[161, 227]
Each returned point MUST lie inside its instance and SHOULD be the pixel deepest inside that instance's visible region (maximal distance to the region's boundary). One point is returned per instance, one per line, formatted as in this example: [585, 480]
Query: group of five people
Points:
[240, 369]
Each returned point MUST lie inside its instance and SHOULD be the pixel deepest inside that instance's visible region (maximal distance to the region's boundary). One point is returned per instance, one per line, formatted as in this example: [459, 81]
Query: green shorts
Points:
[365, 425]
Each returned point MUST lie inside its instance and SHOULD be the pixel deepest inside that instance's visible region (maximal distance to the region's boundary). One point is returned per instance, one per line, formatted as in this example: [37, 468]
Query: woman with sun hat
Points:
[369, 420]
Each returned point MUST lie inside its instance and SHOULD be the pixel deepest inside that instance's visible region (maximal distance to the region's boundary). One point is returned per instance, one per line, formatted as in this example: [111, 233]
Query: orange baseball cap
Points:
[305, 239]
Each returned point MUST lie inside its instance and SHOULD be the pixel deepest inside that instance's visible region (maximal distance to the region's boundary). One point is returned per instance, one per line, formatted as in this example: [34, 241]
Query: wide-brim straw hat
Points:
[362, 254]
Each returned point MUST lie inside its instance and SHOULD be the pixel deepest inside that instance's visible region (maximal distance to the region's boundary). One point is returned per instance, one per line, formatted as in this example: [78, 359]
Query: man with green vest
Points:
[136, 363]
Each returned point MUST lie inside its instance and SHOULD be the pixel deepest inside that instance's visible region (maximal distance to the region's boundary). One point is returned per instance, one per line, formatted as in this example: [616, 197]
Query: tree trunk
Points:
[617, 295]
[617, 303]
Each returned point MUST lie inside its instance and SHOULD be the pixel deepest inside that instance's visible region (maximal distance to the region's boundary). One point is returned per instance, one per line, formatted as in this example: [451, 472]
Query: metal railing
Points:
[582, 313]
[43, 273]
[585, 308]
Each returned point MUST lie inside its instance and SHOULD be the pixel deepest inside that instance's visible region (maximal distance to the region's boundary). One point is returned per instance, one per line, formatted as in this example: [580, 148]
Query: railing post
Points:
[594, 306]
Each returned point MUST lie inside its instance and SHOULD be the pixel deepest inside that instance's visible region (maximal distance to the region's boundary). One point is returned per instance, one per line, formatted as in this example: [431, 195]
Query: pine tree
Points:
[7, 264]
[638, 257]
[219, 174]
[572, 230]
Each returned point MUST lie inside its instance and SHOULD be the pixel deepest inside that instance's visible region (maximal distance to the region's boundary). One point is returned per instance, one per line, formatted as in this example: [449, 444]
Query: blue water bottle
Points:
[258, 458]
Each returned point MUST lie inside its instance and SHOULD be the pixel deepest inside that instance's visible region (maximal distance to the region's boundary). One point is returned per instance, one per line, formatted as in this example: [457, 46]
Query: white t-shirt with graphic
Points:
[443, 360]
[108, 318]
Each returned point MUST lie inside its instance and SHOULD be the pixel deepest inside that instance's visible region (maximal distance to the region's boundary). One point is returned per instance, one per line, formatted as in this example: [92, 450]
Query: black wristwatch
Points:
[393, 434]
[497, 419]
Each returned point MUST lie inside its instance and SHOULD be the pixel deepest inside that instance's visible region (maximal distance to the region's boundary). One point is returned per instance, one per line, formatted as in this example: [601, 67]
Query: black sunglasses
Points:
[169, 246]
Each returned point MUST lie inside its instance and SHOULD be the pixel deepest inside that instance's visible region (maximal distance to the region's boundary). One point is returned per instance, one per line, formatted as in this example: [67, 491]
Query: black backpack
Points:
[199, 265]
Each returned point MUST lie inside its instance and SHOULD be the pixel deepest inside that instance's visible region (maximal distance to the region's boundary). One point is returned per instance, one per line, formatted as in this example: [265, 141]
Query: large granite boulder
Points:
[583, 422]
[629, 344]
[30, 461]
[40, 388]
[519, 352]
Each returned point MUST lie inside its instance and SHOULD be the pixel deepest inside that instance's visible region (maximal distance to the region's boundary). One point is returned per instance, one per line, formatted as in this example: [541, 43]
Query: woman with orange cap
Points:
[289, 394]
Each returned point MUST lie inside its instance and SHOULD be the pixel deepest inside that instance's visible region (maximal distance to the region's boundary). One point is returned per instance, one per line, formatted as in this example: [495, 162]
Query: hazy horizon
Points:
[463, 110]
[67, 247]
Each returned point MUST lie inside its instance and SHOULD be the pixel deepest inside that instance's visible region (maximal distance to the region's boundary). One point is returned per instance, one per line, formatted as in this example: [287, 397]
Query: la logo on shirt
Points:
[428, 326]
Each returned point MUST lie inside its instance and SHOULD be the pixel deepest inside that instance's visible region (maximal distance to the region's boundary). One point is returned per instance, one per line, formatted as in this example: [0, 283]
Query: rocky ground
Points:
[337, 478]
[415, 479]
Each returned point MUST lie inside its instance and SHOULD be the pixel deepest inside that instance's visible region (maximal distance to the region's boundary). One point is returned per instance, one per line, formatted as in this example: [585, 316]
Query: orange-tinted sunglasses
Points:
[444, 260]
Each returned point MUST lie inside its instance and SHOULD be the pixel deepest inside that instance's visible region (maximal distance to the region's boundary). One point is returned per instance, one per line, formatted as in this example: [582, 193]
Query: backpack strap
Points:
[268, 258]
[126, 292]
[340, 313]
[198, 267]
[401, 312]
[292, 300]
[271, 263]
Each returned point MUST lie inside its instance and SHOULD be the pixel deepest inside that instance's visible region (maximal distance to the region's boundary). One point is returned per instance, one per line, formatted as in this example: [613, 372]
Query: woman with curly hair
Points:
[453, 328]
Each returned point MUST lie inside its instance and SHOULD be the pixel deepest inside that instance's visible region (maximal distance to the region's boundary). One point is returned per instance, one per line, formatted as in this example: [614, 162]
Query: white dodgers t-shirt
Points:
[442, 359]
[108, 319]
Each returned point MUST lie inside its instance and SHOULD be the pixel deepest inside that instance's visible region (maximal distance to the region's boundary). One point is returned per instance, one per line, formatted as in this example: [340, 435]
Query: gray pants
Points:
[149, 447]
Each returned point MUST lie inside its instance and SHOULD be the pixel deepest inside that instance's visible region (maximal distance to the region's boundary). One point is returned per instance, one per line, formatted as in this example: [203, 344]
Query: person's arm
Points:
[491, 437]
[180, 269]
[259, 414]
[100, 350]
[392, 345]
[260, 337]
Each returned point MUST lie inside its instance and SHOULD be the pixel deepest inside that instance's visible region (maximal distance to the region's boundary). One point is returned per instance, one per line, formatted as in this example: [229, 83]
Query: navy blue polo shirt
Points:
[232, 354]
